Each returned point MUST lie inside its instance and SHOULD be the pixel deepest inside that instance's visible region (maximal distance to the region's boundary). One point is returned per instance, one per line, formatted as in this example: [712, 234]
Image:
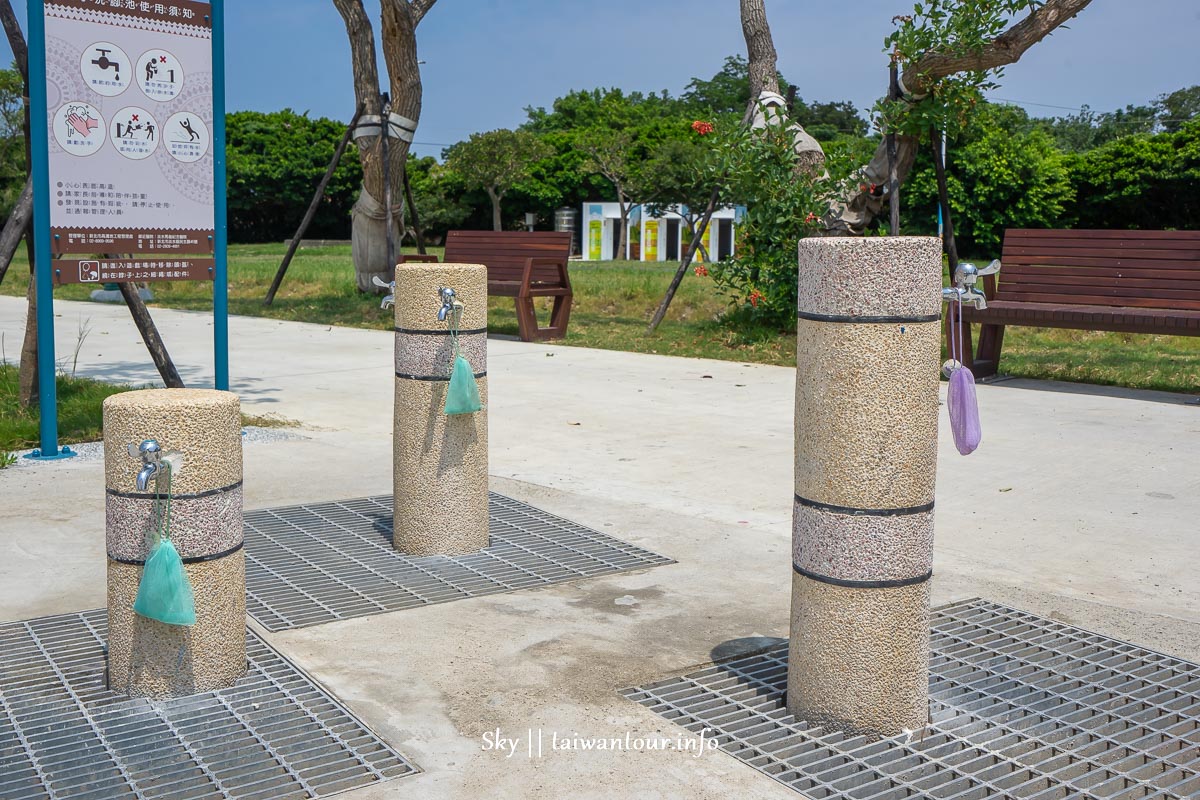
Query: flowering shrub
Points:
[783, 205]
[703, 128]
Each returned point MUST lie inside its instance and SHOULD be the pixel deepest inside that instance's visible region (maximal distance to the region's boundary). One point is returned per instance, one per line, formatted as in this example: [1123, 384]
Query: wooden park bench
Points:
[521, 265]
[1127, 281]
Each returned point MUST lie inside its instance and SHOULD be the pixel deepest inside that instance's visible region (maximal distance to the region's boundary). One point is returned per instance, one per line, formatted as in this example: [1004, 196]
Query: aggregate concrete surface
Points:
[1081, 504]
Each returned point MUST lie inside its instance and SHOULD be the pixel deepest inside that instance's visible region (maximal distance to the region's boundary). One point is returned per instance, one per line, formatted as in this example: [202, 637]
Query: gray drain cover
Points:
[273, 735]
[1023, 707]
[317, 563]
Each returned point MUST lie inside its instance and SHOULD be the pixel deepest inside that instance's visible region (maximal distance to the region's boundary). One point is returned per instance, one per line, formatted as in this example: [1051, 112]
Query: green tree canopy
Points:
[439, 195]
[727, 92]
[1178, 108]
[496, 161]
[1148, 182]
[274, 162]
[1002, 172]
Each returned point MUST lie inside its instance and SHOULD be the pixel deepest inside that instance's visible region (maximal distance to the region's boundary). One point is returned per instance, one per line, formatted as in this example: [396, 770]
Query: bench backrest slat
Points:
[504, 252]
[1140, 269]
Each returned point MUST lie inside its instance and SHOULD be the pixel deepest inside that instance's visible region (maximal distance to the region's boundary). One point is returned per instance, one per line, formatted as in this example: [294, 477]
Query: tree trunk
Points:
[27, 389]
[370, 226]
[368, 241]
[764, 75]
[15, 227]
[623, 205]
[495, 198]
[27, 380]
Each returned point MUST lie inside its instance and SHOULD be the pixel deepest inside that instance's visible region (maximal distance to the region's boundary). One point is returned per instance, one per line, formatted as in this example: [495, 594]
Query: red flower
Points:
[701, 127]
[755, 297]
[702, 271]
[811, 218]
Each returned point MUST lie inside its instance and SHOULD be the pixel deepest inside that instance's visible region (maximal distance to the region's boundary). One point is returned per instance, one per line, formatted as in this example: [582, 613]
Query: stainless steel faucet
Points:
[451, 309]
[390, 299]
[964, 288]
[447, 296]
[151, 455]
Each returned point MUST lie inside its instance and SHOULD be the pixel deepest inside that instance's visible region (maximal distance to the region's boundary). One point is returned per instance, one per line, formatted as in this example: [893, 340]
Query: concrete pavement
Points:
[1081, 503]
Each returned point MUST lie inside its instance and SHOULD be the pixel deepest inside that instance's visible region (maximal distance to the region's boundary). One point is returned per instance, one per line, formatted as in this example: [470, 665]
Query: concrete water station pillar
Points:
[197, 432]
[441, 461]
[866, 453]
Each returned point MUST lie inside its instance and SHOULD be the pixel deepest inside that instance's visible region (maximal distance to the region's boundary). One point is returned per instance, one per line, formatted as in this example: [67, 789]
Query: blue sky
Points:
[486, 59]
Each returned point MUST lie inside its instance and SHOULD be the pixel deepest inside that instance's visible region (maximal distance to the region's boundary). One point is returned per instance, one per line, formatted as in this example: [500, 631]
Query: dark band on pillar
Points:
[865, 512]
[849, 318]
[174, 495]
[893, 583]
[137, 562]
[469, 332]
[435, 378]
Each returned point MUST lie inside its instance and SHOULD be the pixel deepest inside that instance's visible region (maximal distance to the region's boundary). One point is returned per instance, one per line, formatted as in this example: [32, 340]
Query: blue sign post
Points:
[39, 140]
[127, 99]
[221, 231]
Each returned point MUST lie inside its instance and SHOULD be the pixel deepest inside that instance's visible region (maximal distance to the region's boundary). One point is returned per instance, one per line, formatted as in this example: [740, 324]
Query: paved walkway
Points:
[1081, 503]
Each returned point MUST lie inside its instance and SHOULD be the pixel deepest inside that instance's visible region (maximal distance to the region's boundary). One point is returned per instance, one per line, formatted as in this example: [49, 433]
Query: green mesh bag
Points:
[462, 396]
[164, 593]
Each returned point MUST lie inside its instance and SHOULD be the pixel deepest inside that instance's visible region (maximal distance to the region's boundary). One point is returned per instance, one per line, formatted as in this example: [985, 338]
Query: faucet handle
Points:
[148, 451]
[990, 269]
[388, 300]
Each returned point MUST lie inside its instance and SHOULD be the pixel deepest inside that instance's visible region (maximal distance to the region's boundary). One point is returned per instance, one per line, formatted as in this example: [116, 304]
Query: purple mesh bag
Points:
[960, 397]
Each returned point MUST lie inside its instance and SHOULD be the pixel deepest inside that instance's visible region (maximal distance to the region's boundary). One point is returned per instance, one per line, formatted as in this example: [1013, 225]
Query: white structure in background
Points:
[652, 238]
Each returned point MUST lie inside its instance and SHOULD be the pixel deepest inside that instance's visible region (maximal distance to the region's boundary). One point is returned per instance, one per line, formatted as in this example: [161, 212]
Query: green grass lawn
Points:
[614, 302]
[79, 402]
[79, 414]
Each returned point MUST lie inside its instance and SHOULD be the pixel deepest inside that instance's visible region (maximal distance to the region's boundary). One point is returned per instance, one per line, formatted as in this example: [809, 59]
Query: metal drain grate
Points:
[310, 564]
[1023, 707]
[273, 735]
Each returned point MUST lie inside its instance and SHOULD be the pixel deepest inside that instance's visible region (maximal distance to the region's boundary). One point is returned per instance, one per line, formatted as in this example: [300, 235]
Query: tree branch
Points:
[16, 39]
[400, 55]
[366, 87]
[15, 227]
[1005, 49]
[419, 9]
[851, 214]
[362, 53]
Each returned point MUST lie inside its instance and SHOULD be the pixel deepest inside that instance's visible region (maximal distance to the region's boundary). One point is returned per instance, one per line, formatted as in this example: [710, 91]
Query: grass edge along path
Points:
[79, 413]
[614, 302]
